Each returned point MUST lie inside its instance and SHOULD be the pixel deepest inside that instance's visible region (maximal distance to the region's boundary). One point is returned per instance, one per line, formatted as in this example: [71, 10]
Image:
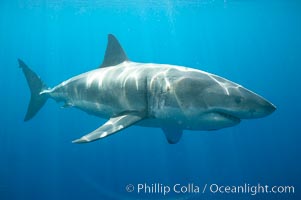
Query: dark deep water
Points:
[254, 43]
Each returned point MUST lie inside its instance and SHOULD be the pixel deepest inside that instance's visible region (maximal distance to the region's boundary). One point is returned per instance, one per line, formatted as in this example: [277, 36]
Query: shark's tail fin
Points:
[36, 86]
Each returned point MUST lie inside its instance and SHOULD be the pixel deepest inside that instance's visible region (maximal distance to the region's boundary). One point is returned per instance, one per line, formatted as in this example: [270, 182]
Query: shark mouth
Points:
[229, 116]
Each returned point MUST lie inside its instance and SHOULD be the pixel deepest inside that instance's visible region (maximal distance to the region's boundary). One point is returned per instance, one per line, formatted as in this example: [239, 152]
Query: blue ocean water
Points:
[254, 43]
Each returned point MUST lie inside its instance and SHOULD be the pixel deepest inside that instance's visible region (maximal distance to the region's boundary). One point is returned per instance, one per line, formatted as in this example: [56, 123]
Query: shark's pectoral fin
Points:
[114, 125]
[173, 135]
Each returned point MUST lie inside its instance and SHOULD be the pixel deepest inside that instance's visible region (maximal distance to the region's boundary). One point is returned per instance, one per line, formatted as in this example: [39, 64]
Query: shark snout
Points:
[255, 106]
[262, 109]
[270, 108]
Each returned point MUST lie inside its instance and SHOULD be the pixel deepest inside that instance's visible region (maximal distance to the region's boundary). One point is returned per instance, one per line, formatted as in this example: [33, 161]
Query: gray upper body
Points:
[171, 97]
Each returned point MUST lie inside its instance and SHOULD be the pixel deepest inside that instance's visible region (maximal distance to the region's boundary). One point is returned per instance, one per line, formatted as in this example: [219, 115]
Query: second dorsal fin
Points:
[114, 53]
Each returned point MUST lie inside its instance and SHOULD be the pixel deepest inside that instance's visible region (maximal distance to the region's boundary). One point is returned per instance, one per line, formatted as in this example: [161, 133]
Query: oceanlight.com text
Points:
[250, 189]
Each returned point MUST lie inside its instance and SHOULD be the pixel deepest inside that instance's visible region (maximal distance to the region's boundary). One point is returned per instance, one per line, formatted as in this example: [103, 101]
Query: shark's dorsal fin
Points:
[114, 53]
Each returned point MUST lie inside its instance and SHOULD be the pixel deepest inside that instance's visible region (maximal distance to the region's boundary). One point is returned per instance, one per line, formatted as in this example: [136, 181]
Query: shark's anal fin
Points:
[114, 125]
[173, 134]
[114, 53]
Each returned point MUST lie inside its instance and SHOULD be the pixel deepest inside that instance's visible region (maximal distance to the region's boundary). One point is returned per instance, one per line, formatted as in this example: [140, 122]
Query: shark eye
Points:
[238, 100]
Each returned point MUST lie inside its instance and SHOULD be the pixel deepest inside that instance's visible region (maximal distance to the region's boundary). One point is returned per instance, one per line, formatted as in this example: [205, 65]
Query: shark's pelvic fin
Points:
[114, 53]
[36, 86]
[114, 125]
[173, 135]
[67, 105]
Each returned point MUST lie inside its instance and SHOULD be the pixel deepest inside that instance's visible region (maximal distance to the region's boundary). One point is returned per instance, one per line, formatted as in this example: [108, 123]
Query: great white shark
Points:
[173, 98]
